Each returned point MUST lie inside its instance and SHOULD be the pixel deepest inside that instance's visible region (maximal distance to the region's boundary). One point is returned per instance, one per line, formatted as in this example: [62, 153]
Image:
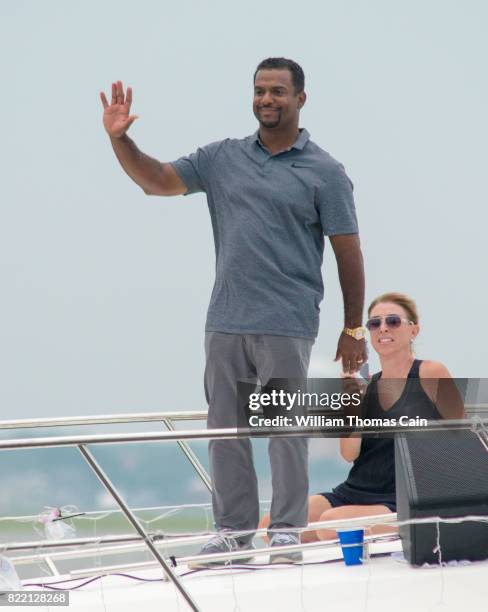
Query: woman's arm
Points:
[439, 385]
[350, 447]
[351, 444]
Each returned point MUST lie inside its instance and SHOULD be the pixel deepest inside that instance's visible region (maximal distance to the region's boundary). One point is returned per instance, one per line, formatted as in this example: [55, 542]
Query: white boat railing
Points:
[476, 423]
[104, 419]
[136, 417]
[81, 441]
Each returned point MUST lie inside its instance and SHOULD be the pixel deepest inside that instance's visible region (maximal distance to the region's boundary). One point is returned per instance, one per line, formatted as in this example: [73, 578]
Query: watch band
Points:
[358, 333]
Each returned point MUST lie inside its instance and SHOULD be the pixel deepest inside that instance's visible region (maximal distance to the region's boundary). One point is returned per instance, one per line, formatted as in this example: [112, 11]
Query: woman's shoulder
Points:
[429, 373]
[444, 395]
[433, 369]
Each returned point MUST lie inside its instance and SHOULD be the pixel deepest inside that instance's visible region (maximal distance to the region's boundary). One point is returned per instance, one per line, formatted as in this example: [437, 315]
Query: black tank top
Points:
[372, 476]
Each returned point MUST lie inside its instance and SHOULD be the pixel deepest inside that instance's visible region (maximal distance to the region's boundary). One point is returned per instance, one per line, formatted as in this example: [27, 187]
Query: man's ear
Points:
[302, 98]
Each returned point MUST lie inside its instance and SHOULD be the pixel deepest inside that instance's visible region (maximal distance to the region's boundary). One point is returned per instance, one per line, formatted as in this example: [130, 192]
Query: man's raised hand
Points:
[116, 118]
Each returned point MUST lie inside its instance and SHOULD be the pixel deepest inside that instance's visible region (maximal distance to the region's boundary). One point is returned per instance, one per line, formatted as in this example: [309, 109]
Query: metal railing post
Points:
[131, 517]
[192, 458]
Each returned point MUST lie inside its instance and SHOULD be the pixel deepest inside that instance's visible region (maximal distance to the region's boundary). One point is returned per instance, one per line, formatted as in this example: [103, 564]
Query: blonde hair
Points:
[400, 299]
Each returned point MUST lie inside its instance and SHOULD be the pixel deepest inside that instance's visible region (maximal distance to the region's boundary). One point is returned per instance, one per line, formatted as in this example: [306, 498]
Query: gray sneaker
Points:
[222, 543]
[284, 538]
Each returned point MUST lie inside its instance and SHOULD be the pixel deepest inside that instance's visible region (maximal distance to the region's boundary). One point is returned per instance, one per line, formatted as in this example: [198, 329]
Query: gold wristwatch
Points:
[358, 333]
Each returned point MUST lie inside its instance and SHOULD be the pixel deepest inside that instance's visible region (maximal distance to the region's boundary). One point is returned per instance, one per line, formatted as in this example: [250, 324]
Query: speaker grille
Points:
[448, 467]
[445, 474]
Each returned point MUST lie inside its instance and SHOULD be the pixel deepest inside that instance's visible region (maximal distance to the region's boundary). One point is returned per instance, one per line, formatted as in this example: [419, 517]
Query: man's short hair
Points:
[280, 63]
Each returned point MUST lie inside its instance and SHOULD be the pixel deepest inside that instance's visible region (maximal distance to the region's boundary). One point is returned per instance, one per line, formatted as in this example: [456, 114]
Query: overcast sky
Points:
[104, 290]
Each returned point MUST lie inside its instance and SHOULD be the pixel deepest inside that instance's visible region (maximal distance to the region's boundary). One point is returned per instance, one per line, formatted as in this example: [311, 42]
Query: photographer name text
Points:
[323, 421]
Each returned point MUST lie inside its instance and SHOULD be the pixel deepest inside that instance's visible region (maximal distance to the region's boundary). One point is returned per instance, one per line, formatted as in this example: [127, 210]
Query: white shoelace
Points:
[284, 538]
[226, 540]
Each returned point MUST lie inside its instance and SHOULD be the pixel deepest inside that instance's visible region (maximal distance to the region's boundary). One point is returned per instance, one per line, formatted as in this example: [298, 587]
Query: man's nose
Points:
[267, 98]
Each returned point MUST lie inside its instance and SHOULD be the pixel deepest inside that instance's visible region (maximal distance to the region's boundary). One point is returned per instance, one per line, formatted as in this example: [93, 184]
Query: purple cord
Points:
[248, 566]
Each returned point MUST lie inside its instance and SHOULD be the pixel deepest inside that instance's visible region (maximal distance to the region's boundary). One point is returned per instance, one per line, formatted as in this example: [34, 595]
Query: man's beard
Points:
[270, 123]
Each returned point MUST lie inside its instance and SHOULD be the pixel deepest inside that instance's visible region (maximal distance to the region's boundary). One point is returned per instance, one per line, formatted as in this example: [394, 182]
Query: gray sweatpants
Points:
[233, 357]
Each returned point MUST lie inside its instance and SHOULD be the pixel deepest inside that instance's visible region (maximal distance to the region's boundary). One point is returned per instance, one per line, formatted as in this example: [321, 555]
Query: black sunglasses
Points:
[392, 321]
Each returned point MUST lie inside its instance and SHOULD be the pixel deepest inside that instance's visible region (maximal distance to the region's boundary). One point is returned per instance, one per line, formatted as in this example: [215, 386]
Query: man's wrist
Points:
[123, 138]
[353, 322]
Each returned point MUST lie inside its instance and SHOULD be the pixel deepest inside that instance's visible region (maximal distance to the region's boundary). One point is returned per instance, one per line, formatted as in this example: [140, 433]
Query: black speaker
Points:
[445, 474]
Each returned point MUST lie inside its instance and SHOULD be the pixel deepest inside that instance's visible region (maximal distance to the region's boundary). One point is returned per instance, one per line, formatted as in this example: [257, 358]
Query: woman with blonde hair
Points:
[405, 386]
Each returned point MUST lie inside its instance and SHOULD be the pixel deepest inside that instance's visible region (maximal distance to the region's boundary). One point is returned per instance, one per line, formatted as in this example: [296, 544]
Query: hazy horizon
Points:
[104, 290]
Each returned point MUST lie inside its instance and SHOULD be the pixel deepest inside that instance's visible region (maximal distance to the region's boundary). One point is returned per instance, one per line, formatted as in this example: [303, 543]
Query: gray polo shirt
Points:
[269, 216]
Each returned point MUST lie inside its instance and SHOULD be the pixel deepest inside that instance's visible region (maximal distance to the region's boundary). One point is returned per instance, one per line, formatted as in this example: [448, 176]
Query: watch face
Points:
[357, 333]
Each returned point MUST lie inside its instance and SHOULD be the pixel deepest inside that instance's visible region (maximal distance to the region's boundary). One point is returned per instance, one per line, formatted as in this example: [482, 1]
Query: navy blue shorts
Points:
[336, 500]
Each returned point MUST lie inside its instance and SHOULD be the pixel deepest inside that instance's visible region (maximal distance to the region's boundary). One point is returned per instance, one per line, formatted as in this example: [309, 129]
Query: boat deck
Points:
[383, 583]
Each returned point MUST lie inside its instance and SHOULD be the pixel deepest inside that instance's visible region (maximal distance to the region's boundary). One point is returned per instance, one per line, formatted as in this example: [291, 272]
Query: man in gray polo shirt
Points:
[272, 197]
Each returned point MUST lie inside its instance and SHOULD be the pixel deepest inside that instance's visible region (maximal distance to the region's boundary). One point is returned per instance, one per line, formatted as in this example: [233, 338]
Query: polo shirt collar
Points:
[302, 139]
